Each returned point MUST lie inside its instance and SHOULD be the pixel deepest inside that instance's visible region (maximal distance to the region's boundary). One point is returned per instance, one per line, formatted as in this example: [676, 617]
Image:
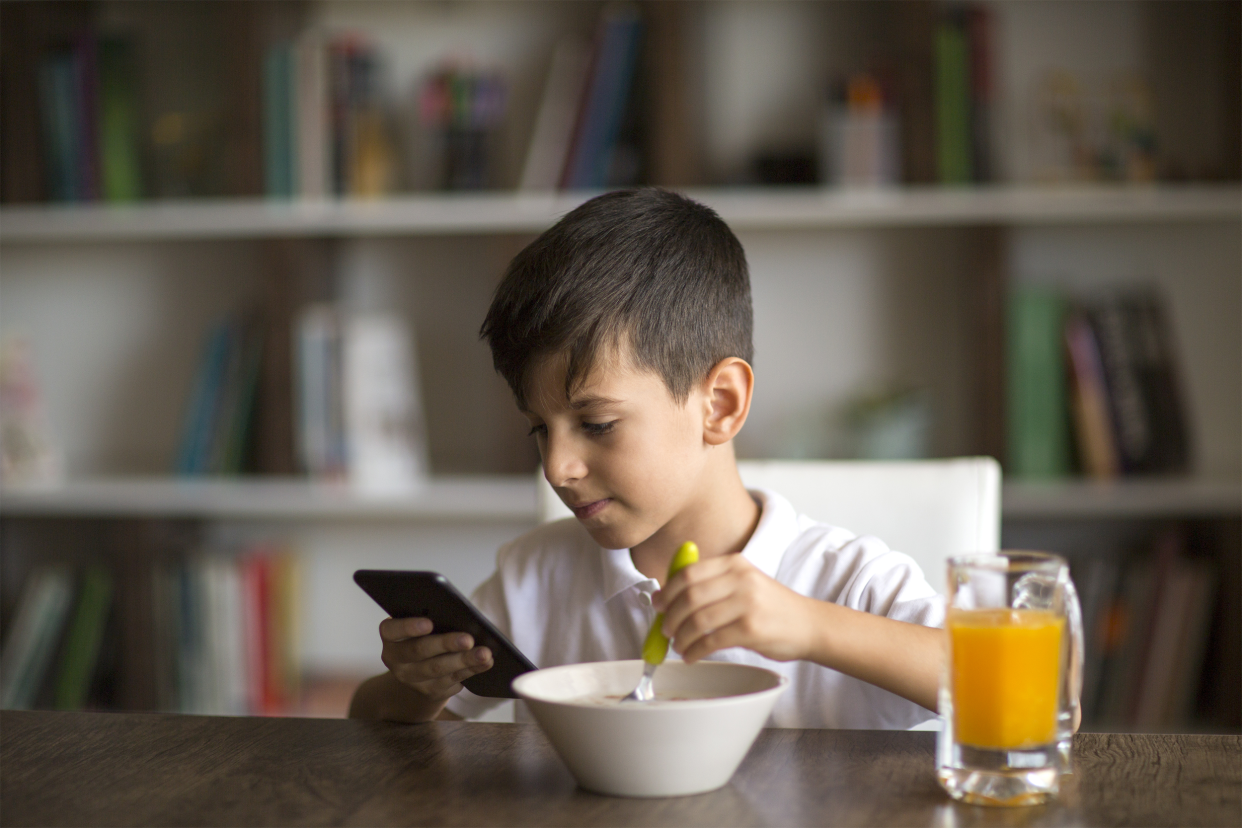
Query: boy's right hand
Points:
[434, 666]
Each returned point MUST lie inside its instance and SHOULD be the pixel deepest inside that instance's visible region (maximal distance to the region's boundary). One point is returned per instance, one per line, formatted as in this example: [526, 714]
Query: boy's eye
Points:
[596, 429]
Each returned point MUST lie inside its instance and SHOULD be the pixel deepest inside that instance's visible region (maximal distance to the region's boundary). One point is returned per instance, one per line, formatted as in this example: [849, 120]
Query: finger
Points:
[696, 573]
[731, 635]
[399, 629]
[425, 647]
[707, 620]
[442, 666]
[449, 684]
[695, 597]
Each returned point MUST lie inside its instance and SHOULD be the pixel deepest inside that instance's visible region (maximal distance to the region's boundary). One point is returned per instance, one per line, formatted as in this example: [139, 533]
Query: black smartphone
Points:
[405, 594]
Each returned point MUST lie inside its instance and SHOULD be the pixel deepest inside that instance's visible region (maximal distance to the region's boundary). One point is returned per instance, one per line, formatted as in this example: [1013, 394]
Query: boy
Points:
[625, 334]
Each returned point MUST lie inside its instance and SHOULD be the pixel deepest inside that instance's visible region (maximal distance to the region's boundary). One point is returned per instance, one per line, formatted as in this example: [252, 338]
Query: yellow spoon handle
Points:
[655, 648]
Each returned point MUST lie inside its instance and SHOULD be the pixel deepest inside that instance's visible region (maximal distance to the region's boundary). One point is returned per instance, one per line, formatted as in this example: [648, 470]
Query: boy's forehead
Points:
[545, 381]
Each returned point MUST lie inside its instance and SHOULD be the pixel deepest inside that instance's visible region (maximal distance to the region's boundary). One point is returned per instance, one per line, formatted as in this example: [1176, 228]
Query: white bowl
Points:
[688, 740]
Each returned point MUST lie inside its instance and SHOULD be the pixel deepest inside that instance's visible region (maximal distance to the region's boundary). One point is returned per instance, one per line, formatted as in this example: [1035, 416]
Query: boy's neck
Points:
[720, 519]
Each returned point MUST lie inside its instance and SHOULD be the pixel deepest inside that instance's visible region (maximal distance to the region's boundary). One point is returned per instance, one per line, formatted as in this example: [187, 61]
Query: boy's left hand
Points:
[727, 602]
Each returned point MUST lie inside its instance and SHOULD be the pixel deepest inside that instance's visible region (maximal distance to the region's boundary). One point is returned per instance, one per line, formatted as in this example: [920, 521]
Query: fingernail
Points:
[463, 642]
[482, 656]
[422, 626]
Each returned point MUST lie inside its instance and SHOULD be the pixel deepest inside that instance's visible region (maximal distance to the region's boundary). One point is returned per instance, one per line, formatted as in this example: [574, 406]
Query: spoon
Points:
[655, 648]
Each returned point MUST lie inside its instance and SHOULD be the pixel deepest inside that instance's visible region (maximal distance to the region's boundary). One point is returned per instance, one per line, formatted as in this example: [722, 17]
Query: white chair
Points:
[929, 509]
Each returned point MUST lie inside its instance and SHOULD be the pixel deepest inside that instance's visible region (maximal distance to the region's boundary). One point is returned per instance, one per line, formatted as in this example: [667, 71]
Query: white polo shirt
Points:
[562, 599]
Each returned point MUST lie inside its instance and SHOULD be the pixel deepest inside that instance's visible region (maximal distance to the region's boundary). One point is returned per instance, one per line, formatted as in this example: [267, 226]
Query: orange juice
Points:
[1005, 674]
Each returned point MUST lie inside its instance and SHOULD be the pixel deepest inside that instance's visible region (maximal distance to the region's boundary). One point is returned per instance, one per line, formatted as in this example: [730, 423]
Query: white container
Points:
[689, 740]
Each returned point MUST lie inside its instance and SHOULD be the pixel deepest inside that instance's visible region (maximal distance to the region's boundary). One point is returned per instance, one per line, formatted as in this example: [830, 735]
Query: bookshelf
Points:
[475, 498]
[486, 498]
[743, 208]
[901, 285]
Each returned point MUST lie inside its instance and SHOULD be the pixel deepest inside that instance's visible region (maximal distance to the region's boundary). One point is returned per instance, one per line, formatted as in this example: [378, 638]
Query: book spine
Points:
[953, 102]
[197, 423]
[277, 122]
[979, 31]
[1097, 447]
[1038, 433]
[312, 116]
[554, 124]
[59, 128]
[1159, 381]
[84, 639]
[118, 122]
[86, 100]
[609, 86]
[1127, 407]
[254, 625]
[29, 647]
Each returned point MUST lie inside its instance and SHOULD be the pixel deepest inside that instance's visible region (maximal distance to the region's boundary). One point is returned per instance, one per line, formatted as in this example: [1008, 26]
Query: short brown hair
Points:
[648, 268]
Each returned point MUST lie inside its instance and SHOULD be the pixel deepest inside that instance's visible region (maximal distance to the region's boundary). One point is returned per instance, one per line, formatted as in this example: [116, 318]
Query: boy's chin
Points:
[614, 537]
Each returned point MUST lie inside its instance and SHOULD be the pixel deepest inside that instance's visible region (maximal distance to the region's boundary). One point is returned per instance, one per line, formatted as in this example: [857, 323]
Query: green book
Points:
[82, 642]
[118, 122]
[953, 130]
[1038, 440]
[278, 118]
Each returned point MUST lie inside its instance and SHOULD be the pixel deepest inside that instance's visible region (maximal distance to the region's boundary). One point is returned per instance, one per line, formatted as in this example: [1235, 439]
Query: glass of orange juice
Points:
[1011, 681]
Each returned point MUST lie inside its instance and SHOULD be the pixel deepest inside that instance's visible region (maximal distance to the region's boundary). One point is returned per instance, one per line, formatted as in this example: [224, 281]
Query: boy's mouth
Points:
[589, 510]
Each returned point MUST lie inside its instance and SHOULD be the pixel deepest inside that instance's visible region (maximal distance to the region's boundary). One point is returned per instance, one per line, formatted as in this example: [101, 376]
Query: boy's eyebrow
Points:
[579, 403]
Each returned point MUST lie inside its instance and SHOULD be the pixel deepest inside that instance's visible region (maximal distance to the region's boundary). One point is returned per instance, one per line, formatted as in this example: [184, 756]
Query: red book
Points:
[254, 627]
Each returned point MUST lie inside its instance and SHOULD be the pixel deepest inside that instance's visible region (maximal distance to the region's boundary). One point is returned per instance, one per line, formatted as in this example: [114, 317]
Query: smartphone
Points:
[430, 595]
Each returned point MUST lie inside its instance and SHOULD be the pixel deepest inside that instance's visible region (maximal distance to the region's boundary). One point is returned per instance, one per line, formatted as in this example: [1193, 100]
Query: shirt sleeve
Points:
[489, 597]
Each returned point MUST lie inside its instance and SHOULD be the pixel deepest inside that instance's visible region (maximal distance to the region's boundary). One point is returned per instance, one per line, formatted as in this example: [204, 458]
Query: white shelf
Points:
[1133, 498]
[443, 214]
[491, 498]
[501, 498]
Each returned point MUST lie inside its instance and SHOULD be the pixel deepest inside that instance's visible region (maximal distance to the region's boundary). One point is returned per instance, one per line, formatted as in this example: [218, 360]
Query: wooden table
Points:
[154, 769]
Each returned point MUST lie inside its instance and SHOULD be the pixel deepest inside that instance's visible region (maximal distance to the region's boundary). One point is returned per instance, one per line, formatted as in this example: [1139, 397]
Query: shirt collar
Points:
[777, 529]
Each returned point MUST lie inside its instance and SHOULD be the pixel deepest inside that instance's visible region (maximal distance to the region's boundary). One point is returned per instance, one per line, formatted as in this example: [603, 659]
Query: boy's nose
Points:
[562, 465]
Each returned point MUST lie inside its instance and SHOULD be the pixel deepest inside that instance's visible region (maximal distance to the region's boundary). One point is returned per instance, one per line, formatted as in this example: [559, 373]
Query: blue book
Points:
[605, 101]
[58, 111]
[196, 432]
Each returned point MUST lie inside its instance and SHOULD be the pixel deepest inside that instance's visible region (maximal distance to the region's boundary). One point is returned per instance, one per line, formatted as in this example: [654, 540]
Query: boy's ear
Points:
[727, 392]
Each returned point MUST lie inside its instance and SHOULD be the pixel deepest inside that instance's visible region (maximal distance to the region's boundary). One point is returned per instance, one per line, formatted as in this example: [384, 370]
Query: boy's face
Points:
[621, 452]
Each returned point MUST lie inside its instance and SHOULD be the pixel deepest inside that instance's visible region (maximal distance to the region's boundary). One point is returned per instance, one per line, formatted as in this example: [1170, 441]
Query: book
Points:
[1165, 695]
[31, 643]
[979, 37]
[220, 413]
[279, 119]
[58, 114]
[605, 99]
[1093, 427]
[226, 633]
[312, 103]
[321, 439]
[85, 99]
[1159, 378]
[1037, 443]
[84, 639]
[1127, 407]
[384, 433]
[120, 166]
[554, 124]
[200, 408]
[953, 97]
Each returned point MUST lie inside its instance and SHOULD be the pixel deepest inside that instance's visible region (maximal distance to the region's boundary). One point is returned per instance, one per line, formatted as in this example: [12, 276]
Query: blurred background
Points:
[245, 249]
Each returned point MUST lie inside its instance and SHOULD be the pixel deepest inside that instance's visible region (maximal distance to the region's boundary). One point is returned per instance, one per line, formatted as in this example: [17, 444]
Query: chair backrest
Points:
[929, 509]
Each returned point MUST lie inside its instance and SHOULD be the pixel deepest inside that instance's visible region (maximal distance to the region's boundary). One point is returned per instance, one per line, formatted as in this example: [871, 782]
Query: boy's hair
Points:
[648, 270]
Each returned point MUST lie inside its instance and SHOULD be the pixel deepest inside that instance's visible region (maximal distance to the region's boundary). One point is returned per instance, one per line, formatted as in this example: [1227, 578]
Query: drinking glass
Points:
[1011, 682]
